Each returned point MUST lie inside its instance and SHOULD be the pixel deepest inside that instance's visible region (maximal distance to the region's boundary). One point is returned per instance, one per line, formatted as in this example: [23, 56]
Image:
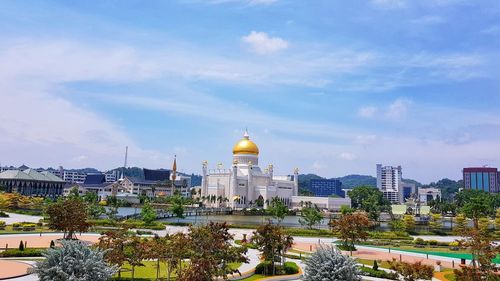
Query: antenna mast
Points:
[125, 162]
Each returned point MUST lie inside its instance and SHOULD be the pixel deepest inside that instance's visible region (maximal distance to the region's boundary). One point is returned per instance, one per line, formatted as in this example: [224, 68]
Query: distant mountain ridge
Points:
[349, 181]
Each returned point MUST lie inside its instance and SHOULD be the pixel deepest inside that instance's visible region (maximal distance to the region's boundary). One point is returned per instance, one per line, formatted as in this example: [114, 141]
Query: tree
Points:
[409, 223]
[476, 204]
[135, 252]
[177, 207]
[369, 199]
[310, 216]
[272, 241]
[460, 224]
[278, 209]
[397, 225]
[328, 264]
[211, 252]
[412, 271]
[74, 261]
[113, 242]
[148, 214]
[68, 215]
[351, 228]
[435, 223]
[497, 219]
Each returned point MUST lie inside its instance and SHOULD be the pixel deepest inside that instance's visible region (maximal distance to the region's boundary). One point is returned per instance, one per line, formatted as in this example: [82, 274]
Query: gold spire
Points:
[174, 169]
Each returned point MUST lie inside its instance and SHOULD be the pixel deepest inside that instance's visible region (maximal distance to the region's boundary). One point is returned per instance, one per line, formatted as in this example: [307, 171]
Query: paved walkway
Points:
[12, 268]
[34, 240]
[13, 218]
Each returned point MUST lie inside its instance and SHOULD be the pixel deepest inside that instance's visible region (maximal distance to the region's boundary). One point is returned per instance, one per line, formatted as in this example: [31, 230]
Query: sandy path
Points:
[37, 241]
[12, 268]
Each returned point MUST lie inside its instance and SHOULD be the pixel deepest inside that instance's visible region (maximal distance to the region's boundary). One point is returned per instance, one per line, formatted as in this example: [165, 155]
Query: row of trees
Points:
[203, 253]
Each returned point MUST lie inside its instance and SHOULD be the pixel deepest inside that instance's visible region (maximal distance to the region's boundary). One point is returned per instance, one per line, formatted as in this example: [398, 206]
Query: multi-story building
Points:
[326, 188]
[389, 182]
[74, 176]
[157, 183]
[32, 183]
[482, 178]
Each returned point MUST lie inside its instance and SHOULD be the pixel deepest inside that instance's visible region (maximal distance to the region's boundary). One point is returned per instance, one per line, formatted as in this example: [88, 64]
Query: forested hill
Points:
[349, 181]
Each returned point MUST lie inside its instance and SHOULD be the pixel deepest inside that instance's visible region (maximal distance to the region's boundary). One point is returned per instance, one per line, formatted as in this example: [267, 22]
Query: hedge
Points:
[25, 253]
[367, 271]
[288, 268]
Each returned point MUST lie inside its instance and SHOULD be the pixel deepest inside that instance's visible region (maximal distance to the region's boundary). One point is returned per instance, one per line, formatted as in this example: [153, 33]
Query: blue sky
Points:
[331, 87]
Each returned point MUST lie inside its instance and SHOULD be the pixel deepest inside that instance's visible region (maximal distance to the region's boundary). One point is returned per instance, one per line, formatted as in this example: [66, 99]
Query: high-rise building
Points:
[326, 187]
[482, 178]
[389, 181]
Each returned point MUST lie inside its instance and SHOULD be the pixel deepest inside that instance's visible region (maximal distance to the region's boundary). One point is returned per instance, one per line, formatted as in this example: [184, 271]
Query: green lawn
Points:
[443, 252]
[253, 277]
[148, 272]
[383, 264]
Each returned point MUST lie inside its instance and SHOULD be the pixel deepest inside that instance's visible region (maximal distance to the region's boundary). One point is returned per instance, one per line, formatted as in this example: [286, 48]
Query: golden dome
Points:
[245, 146]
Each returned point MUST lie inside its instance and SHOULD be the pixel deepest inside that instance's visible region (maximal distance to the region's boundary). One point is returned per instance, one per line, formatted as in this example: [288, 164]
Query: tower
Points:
[204, 183]
[296, 182]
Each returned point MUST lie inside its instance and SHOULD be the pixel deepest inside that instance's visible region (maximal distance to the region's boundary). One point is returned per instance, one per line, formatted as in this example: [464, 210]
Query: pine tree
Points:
[74, 261]
[328, 264]
[21, 246]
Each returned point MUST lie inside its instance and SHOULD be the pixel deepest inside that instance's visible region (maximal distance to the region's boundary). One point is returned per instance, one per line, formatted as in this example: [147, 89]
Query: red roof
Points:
[480, 170]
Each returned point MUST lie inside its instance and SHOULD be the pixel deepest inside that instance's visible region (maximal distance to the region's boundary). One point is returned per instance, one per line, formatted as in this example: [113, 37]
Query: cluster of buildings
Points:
[54, 183]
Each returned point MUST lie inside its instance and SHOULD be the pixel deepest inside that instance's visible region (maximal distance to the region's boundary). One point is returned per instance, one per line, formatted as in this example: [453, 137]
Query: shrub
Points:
[3, 214]
[327, 263]
[290, 268]
[21, 246]
[375, 265]
[420, 241]
[52, 244]
[2, 225]
[25, 253]
[378, 273]
[59, 264]
[433, 242]
[144, 232]
[344, 247]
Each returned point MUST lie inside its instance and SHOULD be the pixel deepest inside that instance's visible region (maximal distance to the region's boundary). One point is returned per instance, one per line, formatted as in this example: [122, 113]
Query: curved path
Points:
[12, 269]
[35, 240]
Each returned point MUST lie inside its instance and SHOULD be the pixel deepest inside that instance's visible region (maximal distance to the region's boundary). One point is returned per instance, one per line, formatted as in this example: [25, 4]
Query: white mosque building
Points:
[246, 185]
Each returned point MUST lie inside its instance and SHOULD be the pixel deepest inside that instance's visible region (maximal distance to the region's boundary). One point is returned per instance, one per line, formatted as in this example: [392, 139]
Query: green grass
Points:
[450, 276]
[9, 230]
[148, 271]
[435, 252]
[253, 277]
[383, 264]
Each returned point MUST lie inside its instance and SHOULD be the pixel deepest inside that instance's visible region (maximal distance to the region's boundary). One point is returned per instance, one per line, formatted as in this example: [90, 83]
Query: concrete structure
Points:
[32, 183]
[482, 178]
[326, 188]
[389, 182]
[325, 203]
[427, 194]
[245, 185]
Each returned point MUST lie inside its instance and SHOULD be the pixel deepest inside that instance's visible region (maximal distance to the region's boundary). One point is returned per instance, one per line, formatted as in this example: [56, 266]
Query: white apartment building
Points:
[389, 182]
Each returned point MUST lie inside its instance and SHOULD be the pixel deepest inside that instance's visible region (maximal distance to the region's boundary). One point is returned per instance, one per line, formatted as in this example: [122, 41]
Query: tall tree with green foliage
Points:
[113, 243]
[369, 200]
[74, 261]
[409, 223]
[177, 206]
[310, 216]
[148, 213]
[278, 209]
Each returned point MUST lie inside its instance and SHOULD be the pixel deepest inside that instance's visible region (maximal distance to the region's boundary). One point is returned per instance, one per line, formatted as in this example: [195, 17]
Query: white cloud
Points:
[347, 156]
[365, 139]
[367, 111]
[428, 20]
[262, 44]
[398, 108]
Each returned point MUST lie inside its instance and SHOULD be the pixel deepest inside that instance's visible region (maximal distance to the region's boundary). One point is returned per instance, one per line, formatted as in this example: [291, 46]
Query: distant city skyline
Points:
[332, 87]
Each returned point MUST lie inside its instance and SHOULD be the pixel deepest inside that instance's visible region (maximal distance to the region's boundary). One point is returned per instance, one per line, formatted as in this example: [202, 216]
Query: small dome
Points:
[245, 146]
